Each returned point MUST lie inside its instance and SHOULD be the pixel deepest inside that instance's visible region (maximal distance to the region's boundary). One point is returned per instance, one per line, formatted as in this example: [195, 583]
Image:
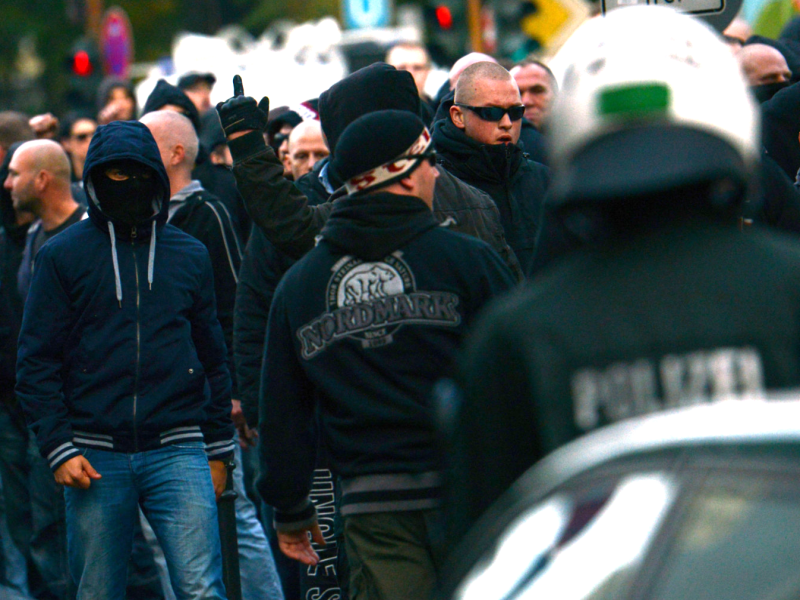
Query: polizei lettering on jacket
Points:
[428, 308]
[628, 389]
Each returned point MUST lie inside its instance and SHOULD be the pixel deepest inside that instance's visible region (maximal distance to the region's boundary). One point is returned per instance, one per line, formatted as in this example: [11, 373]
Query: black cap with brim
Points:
[645, 160]
[191, 79]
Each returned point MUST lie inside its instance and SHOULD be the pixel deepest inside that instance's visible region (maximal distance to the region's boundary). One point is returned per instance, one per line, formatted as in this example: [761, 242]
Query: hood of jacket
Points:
[165, 93]
[375, 225]
[126, 140]
[780, 128]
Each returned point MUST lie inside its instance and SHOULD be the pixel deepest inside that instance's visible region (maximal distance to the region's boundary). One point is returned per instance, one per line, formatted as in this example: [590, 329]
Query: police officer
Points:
[655, 140]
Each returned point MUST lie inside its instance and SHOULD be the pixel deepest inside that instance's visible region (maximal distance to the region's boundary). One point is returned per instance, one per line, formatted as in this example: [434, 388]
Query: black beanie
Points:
[376, 87]
[374, 140]
[166, 93]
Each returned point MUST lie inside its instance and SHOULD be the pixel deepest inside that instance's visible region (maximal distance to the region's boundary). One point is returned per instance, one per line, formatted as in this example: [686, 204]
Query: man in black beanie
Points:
[281, 211]
[360, 330]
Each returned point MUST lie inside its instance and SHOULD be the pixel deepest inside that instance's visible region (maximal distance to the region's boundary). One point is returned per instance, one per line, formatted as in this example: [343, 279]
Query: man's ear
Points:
[408, 183]
[457, 116]
[178, 154]
[41, 180]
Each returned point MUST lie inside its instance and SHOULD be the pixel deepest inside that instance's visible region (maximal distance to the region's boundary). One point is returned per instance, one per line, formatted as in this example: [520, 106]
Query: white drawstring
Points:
[152, 259]
[117, 281]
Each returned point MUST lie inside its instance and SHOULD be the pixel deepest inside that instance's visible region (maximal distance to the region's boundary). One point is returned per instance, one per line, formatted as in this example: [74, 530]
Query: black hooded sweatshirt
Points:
[362, 327]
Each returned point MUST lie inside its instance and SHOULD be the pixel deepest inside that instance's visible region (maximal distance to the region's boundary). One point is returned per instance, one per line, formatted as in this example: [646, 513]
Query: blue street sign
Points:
[366, 13]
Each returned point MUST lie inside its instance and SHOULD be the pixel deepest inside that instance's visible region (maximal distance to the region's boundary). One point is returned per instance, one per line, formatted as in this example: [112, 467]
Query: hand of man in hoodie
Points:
[297, 546]
[240, 114]
[77, 472]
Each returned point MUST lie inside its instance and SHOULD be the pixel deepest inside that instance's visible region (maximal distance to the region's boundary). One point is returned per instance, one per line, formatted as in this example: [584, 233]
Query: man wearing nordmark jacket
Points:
[123, 377]
[359, 331]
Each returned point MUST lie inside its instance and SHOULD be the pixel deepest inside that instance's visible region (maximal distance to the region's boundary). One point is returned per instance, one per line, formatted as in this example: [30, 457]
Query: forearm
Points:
[276, 206]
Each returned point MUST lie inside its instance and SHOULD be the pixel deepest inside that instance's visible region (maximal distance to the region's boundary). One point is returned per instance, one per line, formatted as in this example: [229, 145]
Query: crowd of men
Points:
[377, 309]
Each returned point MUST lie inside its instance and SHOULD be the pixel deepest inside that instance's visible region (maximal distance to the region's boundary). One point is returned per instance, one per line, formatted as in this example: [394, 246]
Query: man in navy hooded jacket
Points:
[123, 377]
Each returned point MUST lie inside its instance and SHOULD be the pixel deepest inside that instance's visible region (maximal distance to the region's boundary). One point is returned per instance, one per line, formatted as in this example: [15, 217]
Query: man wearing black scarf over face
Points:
[476, 134]
[123, 378]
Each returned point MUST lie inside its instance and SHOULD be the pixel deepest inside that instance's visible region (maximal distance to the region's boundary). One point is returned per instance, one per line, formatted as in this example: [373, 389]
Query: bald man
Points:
[203, 216]
[763, 65]
[306, 148]
[39, 183]
[479, 145]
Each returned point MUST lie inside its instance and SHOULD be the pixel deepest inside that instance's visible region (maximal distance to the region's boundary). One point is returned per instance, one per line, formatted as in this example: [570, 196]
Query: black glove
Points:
[241, 113]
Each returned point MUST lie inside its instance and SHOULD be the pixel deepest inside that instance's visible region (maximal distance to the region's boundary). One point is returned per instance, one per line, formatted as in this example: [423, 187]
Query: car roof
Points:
[771, 420]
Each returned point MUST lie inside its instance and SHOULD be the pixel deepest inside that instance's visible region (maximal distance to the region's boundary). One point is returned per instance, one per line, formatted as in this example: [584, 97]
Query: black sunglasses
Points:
[82, 137]
[430, 156]
[495, 113]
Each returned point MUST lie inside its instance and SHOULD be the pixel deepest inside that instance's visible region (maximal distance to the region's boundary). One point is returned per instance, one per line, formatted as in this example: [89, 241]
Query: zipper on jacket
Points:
[138, 342]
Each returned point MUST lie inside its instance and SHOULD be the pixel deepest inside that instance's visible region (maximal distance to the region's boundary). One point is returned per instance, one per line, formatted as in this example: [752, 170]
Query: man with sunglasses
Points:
[360, 330]
[476, 135]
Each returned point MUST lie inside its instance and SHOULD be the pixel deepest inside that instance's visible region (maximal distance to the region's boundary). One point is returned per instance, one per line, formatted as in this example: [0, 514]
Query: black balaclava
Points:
[766, 91]
[130, 200]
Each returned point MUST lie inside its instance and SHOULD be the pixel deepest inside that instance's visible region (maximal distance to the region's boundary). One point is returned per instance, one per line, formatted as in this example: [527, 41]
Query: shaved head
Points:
[44, 155]
[763, 64]
[171, 129]
[465, 61]
[469, 83]
[39, 180]
[306, 147]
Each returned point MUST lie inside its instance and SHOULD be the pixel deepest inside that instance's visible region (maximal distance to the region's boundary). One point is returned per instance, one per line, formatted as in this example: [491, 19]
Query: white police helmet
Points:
[652, 99]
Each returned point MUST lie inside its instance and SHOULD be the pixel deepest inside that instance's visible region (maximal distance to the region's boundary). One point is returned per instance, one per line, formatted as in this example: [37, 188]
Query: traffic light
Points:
[85, 74]
[446, 30]
[82, 64]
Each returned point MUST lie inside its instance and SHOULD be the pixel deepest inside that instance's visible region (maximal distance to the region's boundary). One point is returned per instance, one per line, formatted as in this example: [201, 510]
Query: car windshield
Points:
[603, 534]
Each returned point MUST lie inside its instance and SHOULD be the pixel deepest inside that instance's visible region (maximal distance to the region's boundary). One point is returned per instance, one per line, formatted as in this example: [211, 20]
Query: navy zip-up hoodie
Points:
[120, 347]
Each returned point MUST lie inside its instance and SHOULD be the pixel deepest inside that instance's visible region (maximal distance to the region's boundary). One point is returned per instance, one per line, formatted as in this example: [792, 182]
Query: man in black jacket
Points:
[34, 505]
[664, 306]
[198, 213]
[281, 211]
[360, 330]
[476, 137]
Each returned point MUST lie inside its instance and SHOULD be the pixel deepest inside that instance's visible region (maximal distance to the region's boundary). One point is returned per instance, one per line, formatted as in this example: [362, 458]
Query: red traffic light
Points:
[81, 64]
[444, 17]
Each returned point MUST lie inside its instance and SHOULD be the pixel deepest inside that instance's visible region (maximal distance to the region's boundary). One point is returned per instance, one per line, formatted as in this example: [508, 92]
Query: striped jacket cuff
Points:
[62, 454]
[302, 516]
[222, 450]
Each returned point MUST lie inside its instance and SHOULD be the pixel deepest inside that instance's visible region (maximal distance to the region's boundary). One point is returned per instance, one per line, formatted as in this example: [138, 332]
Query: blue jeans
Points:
[256, 565]
[173, 486]
[34, 506]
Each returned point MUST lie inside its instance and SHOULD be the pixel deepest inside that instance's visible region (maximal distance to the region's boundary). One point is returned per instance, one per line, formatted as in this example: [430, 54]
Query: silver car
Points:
[699, 503]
